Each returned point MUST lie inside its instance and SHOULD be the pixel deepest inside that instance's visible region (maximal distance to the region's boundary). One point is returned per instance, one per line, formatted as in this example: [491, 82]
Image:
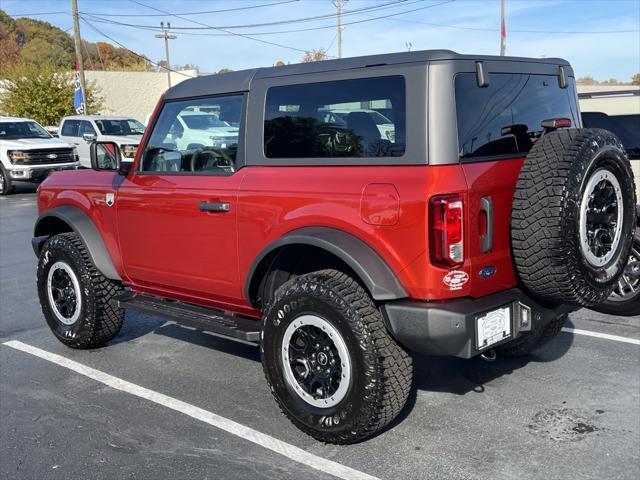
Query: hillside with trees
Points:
[38, 43]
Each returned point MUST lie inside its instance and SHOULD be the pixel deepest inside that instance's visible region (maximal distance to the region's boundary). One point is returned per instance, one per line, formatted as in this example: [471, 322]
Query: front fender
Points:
[49, 223]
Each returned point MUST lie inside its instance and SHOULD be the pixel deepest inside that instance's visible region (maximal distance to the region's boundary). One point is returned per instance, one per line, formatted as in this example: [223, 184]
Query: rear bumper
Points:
[449, 328]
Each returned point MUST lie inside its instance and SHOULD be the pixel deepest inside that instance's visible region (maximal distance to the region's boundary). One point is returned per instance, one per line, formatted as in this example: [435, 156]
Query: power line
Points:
[36, 14]
[382, 6]
[146, 59]
[190, 13]
[294, 30]
[223, 30]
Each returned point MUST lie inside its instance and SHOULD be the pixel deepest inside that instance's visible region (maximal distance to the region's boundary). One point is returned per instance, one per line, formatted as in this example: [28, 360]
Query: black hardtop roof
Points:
[240, 81]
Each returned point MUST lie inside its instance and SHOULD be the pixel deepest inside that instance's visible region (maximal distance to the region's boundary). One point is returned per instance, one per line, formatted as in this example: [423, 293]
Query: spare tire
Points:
[573, 217]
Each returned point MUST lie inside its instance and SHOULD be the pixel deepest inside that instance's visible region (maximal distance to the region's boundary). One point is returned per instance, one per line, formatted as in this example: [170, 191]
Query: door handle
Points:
[220, 207]
[486, 240]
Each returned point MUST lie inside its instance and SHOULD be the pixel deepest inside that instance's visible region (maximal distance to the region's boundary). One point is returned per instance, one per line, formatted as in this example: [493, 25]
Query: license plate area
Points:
[493, 327]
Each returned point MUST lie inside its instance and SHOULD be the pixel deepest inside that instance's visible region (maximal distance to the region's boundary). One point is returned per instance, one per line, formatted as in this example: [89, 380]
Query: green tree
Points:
[42, 93]
[39, 52]
[635, 80]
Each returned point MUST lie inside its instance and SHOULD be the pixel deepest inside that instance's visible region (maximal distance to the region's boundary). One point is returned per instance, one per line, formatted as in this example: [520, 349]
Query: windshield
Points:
[203, 122]
[18, 130]
[129, 126]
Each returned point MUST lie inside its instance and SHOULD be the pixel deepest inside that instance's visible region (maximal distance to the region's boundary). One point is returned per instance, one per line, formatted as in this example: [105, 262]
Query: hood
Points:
[216, 131]
[33, 143]
[121, 139]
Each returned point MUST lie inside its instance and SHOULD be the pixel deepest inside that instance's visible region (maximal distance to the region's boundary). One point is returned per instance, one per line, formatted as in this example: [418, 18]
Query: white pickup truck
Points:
[28, 153]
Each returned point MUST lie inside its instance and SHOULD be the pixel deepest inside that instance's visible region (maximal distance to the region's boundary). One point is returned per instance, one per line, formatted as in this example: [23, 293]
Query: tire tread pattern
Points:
[390, 378]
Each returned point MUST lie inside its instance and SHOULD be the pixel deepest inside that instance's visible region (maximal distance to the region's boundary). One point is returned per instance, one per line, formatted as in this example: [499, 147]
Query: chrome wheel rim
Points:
[316, 361]
[1, 181]
[629, 283]
[63, 290]
[601, 211]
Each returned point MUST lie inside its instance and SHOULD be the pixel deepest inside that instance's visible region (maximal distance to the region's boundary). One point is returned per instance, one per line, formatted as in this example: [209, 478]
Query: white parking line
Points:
[294, 453]
[589, 333]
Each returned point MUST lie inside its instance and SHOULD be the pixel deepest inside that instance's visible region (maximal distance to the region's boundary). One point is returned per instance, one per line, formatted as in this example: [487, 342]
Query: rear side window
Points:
[506, 117]
[345, 118]
[70, 128]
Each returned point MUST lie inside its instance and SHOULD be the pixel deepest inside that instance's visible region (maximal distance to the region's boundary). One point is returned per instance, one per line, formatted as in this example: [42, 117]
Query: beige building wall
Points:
[133, 94]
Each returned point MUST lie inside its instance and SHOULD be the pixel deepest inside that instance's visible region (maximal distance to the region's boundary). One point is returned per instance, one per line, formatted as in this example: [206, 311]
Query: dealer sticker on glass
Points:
[493, 327]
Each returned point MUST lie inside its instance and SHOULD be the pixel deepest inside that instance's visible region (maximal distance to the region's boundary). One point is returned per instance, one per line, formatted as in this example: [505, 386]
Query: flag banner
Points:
[78, 94]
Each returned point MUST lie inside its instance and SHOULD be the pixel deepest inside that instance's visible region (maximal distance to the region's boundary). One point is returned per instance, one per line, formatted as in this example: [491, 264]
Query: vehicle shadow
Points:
[460, 376]
[209, 340]
[431, 374]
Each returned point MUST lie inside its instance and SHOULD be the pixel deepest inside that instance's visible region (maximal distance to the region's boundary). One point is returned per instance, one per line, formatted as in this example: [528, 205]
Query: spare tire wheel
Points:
[573, 217]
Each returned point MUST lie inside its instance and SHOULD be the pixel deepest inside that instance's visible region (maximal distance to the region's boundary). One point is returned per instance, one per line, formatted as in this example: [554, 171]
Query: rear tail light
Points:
[446, 214]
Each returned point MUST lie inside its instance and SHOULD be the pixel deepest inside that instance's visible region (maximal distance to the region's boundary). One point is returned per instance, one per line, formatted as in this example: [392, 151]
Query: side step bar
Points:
[221, 323]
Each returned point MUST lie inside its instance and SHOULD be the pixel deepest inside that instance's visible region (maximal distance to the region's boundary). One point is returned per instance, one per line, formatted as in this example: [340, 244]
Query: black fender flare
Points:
[84, 227]
[380, 280]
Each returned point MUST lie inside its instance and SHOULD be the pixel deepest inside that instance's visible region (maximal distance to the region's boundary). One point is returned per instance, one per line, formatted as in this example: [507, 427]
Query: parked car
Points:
[193, 130]
[619, 112]
[28, 153]
[52, 129]
[82, 130]
[339, 251]
[339, 116]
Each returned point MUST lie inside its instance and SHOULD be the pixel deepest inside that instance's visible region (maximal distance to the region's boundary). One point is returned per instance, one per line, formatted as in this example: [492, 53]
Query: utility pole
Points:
[338, 4]
[503, 31]
[167, 36]
[77, 42]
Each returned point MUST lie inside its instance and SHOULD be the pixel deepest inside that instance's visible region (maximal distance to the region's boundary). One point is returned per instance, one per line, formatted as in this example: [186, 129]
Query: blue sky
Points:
[601, 55]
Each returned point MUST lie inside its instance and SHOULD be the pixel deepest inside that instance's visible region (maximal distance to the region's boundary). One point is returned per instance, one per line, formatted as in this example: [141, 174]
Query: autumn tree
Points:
[39, 52]
[315, 55]
[42, 93]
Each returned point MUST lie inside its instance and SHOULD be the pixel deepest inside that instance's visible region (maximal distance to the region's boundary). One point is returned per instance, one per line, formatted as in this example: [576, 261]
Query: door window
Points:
[85, 127]
[346, 118]
[70, 128]
[195, 136]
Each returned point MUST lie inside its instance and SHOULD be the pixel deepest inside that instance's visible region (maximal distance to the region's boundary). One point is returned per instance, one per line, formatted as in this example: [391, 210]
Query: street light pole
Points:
[338, 4]
[167, 36]
[77, 44]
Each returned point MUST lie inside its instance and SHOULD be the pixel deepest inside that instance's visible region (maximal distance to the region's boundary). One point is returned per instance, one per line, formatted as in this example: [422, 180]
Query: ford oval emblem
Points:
[52, 156]
[487, 271]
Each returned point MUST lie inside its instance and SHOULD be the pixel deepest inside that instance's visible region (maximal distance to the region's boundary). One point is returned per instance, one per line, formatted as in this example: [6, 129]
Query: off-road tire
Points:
[545, 237]
[630, 305]
[99, 321]
[6, 185]
[528, 342]
[381, 369]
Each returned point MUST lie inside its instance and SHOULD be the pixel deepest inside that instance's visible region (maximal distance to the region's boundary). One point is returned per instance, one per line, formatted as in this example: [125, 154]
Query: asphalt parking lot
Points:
[172, 402]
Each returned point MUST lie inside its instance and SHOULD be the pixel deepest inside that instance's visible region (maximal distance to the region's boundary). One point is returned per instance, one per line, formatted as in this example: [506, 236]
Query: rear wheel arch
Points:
[66, 219]
[315, 248]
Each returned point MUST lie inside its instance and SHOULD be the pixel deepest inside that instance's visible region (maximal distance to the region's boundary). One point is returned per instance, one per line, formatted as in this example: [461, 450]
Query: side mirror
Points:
[107, 156]
[89, 137]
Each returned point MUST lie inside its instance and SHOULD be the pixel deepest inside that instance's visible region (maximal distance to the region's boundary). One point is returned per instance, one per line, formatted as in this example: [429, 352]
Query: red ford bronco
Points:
[343, 213]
